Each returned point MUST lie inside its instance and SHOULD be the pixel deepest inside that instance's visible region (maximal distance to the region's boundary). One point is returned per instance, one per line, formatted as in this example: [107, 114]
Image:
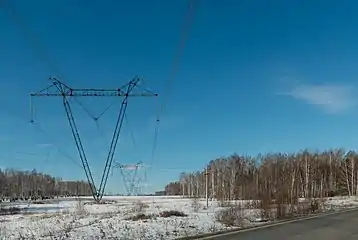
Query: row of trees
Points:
[14, 183]
[279, 175]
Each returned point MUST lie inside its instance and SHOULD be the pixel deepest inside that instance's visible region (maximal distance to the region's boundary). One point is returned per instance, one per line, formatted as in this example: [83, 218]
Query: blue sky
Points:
[254, 77]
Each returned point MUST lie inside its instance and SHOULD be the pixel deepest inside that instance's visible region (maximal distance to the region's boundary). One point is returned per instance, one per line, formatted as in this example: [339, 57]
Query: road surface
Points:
[340, 226]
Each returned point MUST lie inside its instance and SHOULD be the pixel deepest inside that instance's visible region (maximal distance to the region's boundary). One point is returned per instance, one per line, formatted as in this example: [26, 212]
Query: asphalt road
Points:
[340, 226]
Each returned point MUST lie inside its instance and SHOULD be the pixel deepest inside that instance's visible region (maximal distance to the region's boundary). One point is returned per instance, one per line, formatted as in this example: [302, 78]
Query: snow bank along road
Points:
[334, 226]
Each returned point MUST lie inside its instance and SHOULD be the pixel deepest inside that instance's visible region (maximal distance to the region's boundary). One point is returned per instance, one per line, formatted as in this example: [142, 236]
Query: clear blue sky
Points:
[255, 76]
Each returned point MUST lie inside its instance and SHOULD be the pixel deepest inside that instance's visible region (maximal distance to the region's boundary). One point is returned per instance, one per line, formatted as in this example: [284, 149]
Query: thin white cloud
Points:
[332, 98]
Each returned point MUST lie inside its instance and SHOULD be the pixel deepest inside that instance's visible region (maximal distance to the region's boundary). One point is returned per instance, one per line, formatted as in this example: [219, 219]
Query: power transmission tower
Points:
[59, 89]
[132, 177]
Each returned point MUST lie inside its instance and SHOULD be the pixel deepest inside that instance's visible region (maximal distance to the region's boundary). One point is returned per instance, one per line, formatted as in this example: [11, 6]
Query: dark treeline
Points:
[15, 184]
[275, 176]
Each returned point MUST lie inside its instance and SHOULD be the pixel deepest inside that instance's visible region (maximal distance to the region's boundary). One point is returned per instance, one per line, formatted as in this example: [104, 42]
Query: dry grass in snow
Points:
[135, 218]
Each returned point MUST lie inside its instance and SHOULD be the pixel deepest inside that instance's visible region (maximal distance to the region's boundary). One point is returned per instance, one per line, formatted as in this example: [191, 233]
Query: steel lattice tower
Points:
[134, 178]
[59, 89]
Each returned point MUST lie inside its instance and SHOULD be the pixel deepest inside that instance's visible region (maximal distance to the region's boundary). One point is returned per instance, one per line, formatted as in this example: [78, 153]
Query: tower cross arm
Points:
[59, 89]
[92, 93]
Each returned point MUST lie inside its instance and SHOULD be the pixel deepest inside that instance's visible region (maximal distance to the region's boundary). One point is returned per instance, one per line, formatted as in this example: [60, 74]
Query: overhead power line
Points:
[43, 54]
[188, 21]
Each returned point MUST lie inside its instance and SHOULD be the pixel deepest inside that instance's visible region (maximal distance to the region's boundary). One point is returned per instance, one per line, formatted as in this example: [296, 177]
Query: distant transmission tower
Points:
[134, 179]
[59, 89]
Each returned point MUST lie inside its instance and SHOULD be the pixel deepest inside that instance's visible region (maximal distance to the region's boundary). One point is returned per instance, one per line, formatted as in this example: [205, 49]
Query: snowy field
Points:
[125, 218]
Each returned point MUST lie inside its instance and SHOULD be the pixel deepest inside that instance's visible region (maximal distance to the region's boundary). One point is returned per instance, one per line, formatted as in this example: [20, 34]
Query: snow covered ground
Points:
[82, 219]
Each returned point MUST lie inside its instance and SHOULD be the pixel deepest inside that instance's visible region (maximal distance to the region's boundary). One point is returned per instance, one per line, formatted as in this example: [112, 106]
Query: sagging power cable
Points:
[39, 48]
[35, 43]
[89, 113]
[45, 134]
[130, 131]
[43, 54]
[188, 20]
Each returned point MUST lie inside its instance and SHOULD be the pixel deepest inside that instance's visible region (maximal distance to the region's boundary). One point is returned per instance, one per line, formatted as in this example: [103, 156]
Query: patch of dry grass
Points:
[196, 205]
[232, 215]
[139, 207]
[172, 213]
